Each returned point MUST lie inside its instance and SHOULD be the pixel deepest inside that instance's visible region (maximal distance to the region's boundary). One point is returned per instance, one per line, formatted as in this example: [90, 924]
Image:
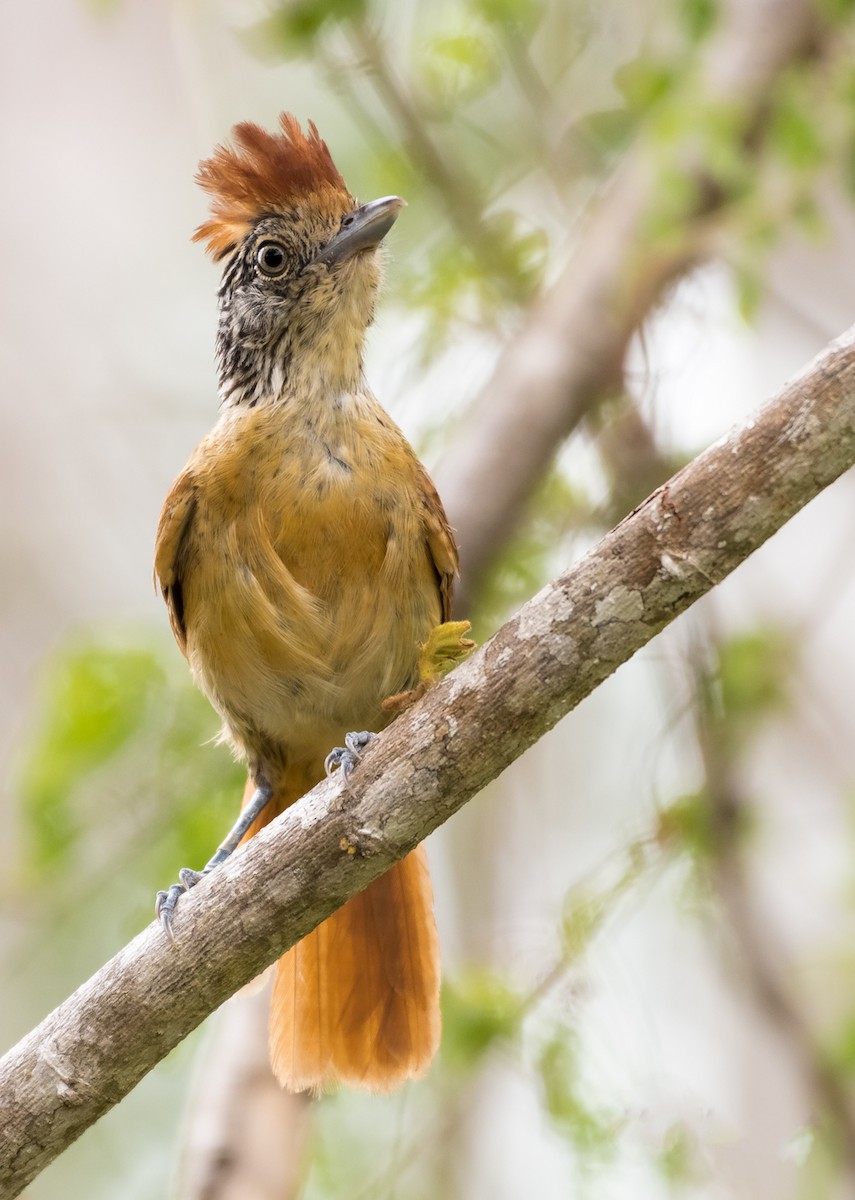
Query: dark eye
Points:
[271, 258]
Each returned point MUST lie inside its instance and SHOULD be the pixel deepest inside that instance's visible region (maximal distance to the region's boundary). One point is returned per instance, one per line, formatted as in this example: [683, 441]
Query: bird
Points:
[307, 566]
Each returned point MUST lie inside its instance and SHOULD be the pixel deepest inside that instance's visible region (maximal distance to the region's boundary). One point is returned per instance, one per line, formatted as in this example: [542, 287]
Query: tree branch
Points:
[686, 537]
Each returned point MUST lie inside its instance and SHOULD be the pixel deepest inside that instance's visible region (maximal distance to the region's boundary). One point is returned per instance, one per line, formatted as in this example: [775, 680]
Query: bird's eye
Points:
[271, 259]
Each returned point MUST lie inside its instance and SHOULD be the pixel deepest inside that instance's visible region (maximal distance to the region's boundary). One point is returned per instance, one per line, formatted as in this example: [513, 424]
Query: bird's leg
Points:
[165, 902]
[447, 645]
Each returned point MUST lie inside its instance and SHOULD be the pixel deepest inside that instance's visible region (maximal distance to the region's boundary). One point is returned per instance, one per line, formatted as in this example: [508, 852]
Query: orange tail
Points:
[357, 1001]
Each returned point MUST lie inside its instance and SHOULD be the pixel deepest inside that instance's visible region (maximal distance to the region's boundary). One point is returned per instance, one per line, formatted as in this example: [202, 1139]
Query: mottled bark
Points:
[682, 540]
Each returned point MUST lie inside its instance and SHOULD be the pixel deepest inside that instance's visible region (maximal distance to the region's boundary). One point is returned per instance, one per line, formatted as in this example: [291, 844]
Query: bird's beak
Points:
[363, 229]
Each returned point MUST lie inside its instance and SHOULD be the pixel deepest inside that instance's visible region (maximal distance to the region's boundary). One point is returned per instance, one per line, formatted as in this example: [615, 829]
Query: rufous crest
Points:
[265, 172]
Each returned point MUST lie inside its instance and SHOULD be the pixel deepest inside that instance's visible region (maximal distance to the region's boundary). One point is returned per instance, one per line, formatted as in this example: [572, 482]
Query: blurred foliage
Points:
[746, 685]
[678, 1157]
[93, 702]
[593, 1134]
[114, 779]
[843, 1050]
[474, 114]
[478, 1009]
[687, 824]
[532, 554]
[753, 675]
[742, 682]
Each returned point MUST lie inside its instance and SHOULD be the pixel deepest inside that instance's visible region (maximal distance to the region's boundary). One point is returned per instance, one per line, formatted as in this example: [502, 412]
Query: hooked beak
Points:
[363, 229]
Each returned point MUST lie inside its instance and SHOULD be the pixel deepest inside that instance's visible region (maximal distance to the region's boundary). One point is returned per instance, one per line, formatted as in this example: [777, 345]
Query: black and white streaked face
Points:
[296, 297]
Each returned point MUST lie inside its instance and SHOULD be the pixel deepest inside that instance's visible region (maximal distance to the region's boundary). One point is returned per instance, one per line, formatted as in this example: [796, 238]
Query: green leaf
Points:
[581, 922]
[92, 701]
[687, 822]
[592, 1133]
[753, 672]
[118, 751]
[644, 82]
[478, 1009]
[293, 27]
[750, 290]
[836, 10]
[844, 1048]
[520, 16]
[458, 67]
[794, 131]
[847, 166]
[809, 217]
[678, 1156]
[697, 17]
[605, 135]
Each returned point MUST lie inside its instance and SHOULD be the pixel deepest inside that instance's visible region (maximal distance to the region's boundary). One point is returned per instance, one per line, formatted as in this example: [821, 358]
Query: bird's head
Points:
[301, 264]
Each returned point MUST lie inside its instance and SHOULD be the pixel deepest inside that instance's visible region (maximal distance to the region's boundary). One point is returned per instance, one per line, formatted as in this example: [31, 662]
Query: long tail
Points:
[357, 1001]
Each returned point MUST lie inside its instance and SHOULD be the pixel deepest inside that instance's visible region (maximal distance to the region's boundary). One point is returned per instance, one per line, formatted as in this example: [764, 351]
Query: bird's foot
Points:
[165, 902]
[447, 645]
[346, 757]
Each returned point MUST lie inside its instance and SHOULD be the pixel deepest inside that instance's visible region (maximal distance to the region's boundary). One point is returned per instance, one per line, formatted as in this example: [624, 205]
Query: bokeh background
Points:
[647, 922]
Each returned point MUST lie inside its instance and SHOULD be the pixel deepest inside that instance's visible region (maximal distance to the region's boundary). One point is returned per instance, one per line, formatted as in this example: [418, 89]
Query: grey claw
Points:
[189, 877]
[347, 757]
[164, 907]
[165, 902]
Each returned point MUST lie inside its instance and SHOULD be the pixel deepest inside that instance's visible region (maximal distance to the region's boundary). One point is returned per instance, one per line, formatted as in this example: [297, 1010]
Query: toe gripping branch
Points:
[346, 757]
[446, 646]
[165, 902]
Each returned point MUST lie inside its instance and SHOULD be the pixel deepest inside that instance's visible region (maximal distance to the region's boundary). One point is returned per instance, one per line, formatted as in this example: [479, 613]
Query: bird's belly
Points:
[302, 617]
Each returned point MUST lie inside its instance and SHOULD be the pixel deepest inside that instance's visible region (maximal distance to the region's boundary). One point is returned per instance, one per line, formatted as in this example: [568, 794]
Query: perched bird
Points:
[306, 563]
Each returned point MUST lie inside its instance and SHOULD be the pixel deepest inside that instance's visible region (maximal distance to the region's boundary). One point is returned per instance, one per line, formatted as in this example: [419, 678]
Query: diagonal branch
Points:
[686, 537]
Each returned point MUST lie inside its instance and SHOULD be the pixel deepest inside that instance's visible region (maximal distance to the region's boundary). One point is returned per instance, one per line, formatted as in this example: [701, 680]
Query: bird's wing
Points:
[175, 519]
[440, 540]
